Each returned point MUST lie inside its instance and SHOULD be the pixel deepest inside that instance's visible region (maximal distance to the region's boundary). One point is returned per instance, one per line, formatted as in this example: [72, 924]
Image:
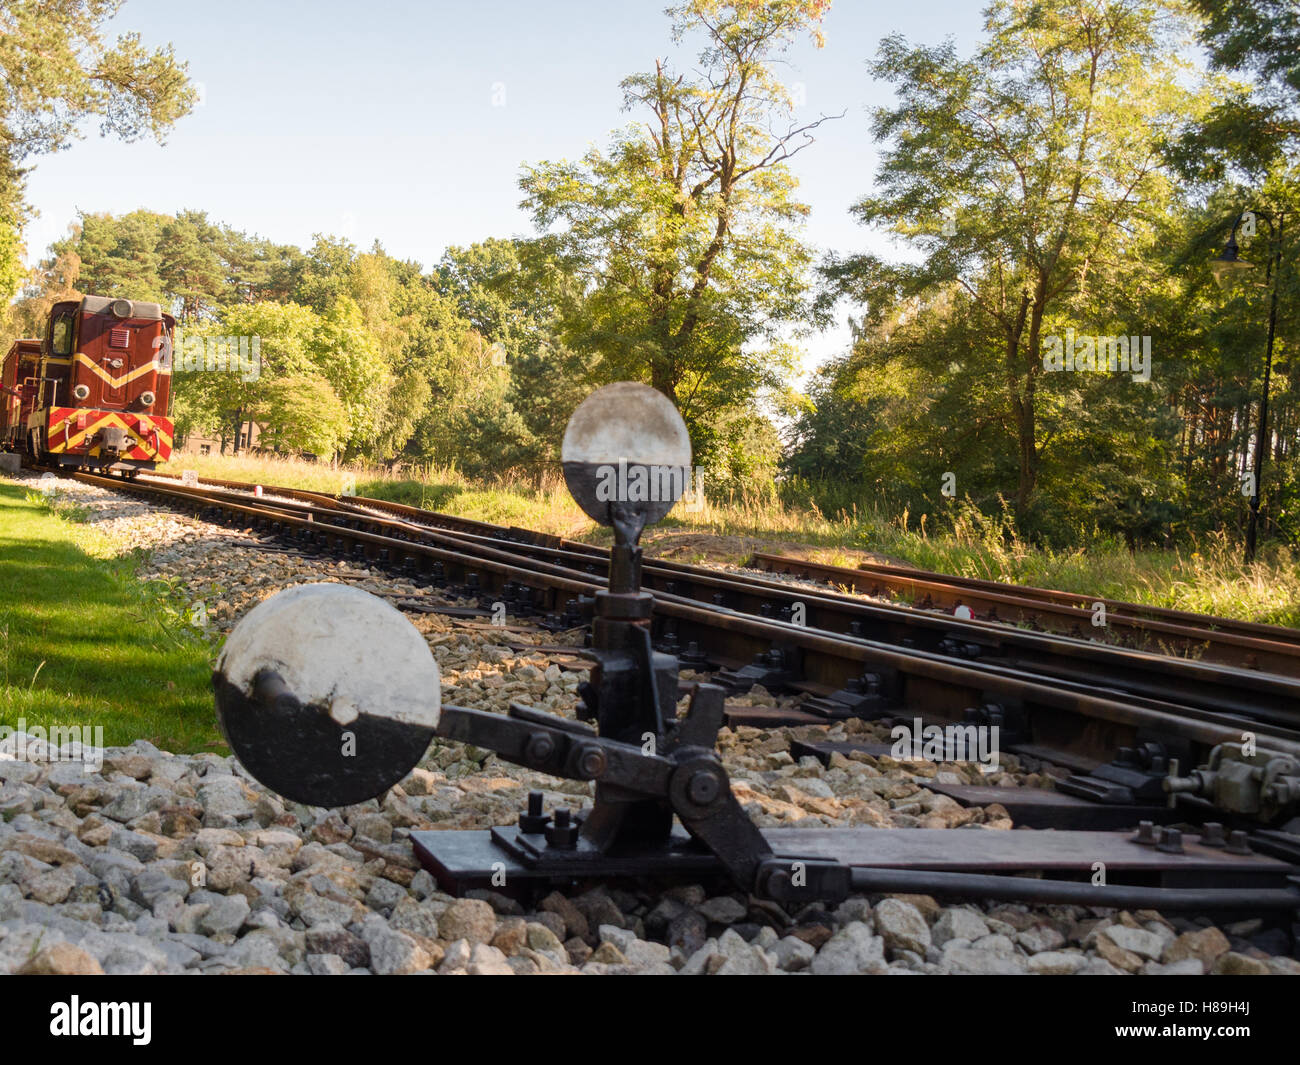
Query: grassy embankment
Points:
[84, 643]
[1207, 577]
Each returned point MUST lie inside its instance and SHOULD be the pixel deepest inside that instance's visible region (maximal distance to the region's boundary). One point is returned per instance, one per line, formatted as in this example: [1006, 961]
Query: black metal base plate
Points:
[462, 860]
[1045, 808]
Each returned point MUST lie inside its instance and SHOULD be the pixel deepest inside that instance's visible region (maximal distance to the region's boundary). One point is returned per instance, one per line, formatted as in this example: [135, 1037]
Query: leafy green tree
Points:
[346, 355]
[512, 292]
[256, 270]
[11, 250]
[471, 423]
[58, 71]
[1021, 175]
[684, 233]
[324, 273]
[1256, 127]
[302, 414]
[222, 401]
[119, 255]
[189, 264]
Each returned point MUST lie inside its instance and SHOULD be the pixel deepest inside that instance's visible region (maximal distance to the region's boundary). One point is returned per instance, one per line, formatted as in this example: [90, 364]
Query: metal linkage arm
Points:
[557, 746]
[690, 777]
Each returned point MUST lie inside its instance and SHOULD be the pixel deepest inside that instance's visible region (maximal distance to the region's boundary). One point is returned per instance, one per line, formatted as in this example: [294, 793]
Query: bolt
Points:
[591, 763]
[703, 787]
[534, 820]
[1212, 835]
[1171, 841]
[1238, 842]
[562, 832]
[778, 883]
[539, 748]
[1146, 835]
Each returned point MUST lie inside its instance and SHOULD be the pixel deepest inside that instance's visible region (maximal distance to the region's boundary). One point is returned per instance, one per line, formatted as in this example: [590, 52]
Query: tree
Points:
[346, 355]
[11, 250]
[58, 70]
[684, 233]
[512, 292]
[119, 255]
[1022, 175]
[217, 399]
[302, 414]
[471, 424]
[1256, 126]
[189, 265]
[256, 270]
[325, 272]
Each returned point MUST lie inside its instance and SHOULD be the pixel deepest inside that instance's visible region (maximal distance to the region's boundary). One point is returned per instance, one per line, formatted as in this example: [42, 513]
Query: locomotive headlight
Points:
[80, 391]
[147, 398]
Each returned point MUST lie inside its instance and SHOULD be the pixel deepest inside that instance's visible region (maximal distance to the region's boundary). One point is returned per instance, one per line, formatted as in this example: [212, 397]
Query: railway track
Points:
[1128, 722]
[1073, 701]
[1252, 695]
[1159, 630]
[1212, 639]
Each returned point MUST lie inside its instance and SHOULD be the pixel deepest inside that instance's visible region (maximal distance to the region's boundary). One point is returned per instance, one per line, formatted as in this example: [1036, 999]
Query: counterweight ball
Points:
[327, 695]
[626, 445]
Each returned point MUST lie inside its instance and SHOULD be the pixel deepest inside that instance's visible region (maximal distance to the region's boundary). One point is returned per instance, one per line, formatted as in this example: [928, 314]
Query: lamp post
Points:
[1228, 268]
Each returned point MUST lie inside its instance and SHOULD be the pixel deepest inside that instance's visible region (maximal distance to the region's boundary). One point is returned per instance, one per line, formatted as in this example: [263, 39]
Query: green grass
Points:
[84, 643]
[1206, 577]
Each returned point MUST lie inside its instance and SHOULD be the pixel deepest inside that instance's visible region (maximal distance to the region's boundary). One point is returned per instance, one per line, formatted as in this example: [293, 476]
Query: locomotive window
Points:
[61, 335]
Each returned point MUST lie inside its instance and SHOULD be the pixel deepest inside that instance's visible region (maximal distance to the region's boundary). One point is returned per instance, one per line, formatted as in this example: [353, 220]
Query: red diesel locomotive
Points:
[96, 391]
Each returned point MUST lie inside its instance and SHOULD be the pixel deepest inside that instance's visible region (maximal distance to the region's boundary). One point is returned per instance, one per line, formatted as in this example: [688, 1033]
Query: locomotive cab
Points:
[96, 391]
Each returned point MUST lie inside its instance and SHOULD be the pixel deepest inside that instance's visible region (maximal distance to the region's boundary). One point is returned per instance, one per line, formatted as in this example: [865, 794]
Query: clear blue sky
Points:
[382, 121]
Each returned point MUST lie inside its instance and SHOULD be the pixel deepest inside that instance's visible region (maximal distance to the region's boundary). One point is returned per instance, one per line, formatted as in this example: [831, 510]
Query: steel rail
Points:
[1251, 644]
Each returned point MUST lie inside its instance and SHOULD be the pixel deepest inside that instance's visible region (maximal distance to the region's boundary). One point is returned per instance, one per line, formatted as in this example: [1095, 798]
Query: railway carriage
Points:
[96, 390]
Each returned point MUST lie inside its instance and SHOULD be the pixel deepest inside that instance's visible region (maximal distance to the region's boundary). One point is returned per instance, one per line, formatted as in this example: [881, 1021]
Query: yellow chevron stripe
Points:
[112, 418]
[126, 378]
[74, 438]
